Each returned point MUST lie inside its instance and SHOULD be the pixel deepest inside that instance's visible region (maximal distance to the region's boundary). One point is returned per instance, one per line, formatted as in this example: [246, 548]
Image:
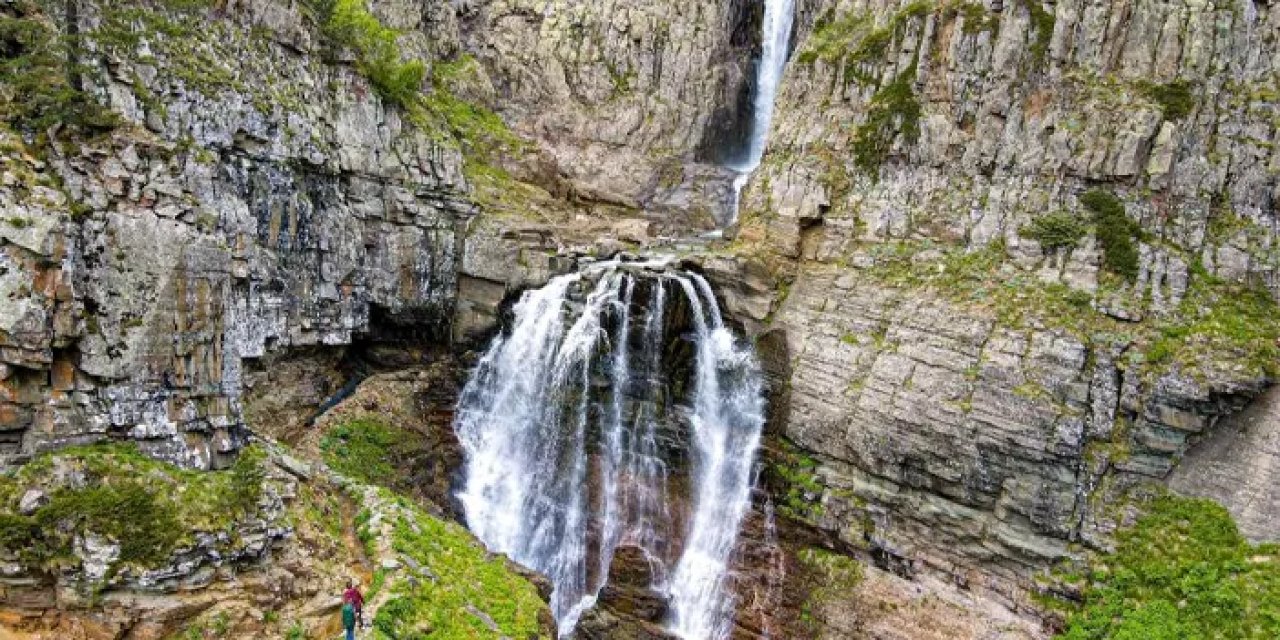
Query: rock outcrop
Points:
[270, 202]
[979, 394]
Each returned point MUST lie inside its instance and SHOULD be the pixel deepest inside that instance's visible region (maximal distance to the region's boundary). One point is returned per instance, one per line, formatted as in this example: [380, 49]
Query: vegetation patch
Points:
[43, 76]
[1116, 232]
[977, 18]
[833, 577]
[1042, 24]
[465, 580]
[798, 487]
[1182, 571]
[349, 24]
[893, 111]
[147, 507]
[852, 40]
[1221, 322]
[1175, 98]
[1054, 231]
[372, 451]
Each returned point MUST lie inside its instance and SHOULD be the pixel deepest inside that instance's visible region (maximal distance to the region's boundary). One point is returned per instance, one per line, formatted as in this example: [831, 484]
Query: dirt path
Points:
[359, 568]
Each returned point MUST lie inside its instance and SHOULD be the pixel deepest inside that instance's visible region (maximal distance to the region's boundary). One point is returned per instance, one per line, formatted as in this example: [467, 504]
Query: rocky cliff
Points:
[1006, 264]
[1026, 257]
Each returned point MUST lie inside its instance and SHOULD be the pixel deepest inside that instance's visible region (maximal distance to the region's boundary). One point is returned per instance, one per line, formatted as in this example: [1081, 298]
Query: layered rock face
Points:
[268, 202]
[634, 102]
[973, 119]
[978, 395]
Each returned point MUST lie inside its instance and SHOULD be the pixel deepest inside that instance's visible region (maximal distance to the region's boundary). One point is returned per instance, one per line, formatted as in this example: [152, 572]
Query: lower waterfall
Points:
[618, 410]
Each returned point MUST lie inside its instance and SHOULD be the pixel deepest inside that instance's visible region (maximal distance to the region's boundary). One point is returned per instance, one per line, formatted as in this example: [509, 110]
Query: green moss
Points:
[148, 507]
[1116, 232]
[1182, 571]
[1054, 231]
[373, 451]
[467, 578]
[1175, 98]
[893, 111]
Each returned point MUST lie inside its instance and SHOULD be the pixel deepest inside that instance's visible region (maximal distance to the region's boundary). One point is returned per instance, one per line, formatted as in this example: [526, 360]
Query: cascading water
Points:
[570, 422]
[776, 38]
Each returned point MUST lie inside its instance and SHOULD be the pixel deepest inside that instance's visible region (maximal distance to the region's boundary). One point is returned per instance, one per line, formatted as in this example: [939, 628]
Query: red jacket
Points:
[353, 596]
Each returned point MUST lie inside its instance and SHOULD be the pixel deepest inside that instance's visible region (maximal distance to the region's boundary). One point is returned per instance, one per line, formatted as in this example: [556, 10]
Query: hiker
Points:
[349, 619]
[353, 597]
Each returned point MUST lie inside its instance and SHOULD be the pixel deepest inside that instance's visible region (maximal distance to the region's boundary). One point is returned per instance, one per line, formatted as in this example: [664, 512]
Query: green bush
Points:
[41, 72]
[349, 24]
[1059, 230]
[1175, 98]
[1116, 232]
[1183, 571]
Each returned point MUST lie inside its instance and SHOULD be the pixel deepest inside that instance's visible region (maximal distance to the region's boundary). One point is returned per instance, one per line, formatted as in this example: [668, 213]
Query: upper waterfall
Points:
[618, 410]
[779, 15]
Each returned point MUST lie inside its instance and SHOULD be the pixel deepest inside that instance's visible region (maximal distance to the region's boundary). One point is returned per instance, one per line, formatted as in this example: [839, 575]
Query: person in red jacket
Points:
[353, 597]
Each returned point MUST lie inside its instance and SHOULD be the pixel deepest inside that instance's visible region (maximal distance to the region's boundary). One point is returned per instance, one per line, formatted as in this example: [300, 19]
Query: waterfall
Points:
[572, 419]
[776, 39]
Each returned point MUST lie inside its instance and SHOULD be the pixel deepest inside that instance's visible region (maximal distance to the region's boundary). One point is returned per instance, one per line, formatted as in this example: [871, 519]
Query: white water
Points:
[776, 39]
[579, 384]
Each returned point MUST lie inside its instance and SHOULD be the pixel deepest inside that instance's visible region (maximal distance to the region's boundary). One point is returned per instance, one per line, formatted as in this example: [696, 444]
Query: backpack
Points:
[348, 616]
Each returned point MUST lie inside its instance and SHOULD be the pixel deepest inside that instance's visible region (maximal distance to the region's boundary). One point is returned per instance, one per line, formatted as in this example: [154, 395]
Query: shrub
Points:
[1054, 231]
[894, 109]
[1116, 232]
[41, 72]
[349, 24]
[1175, 98]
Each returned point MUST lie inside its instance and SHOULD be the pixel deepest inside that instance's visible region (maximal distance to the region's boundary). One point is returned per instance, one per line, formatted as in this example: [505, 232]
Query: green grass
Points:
[467, 576]
[1236, 325]
[1182, 572]
[373, 451]
[150, 508]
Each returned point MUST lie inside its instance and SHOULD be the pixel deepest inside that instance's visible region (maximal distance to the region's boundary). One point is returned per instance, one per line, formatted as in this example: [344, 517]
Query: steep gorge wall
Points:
[256, 198]
[979, 398]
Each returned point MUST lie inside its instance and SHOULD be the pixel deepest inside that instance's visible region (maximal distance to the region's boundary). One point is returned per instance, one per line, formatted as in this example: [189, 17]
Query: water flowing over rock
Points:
[779, 16]
[578, 423]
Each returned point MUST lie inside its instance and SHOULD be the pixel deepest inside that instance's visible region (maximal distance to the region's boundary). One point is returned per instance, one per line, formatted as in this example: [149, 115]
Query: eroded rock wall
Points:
[978, 402]
[259, 196]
